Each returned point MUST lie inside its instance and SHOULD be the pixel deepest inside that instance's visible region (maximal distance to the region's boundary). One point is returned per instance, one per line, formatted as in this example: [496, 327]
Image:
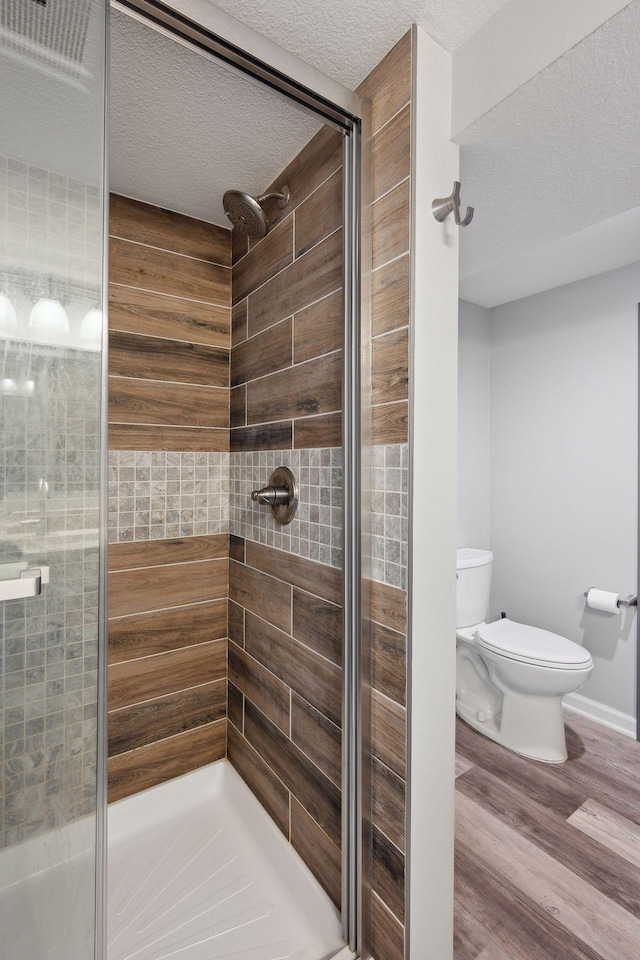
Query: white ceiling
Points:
[347, 38]
[549, 163]
[183, 128]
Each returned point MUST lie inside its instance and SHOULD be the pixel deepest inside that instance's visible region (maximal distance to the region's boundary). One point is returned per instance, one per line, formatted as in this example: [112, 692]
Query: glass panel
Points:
[52, 77]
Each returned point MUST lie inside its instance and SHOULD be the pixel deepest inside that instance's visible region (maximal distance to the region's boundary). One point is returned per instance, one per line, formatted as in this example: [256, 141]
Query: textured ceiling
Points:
[347, 38]
[558, 156]
[183, 129]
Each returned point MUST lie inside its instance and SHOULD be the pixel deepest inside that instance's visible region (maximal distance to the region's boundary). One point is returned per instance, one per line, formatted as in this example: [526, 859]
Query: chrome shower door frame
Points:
[201, 26]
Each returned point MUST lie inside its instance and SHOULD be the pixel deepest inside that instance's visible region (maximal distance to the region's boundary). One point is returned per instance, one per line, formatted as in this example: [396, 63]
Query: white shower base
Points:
[199, 871]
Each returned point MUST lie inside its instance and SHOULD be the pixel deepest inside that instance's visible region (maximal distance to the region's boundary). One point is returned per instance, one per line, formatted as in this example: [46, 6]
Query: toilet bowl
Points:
[511, 677]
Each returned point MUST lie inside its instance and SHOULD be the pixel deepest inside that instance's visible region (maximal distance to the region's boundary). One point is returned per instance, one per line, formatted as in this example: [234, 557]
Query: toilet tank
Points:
[473, 585]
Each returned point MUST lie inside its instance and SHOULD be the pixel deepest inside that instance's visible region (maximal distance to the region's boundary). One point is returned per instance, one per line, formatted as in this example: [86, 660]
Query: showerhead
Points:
[246, 212]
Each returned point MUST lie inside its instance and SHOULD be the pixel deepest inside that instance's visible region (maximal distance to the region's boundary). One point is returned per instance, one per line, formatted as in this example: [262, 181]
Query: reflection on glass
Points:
[51, 116]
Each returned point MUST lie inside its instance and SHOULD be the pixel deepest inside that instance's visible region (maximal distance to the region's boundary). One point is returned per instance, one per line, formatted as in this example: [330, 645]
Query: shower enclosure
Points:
[54, 496]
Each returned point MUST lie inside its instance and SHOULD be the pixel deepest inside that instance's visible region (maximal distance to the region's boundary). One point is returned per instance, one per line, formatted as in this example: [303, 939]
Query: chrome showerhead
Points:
[246, 212]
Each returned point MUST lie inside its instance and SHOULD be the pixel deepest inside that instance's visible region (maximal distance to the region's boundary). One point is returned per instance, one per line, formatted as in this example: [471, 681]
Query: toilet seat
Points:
[519, 641]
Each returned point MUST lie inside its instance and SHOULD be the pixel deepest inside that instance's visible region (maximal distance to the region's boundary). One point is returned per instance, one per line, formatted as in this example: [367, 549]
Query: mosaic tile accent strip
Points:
[160, 495]
[316, 531]
[390, 513]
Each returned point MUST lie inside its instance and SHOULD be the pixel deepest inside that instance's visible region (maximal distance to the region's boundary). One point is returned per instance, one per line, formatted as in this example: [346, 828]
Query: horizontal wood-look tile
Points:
[263, 354]
[173, 404]
[390, 367]
[318, 624]
[311, 167]
[145, 223]
[313, 677]
[270, 791]
[136, 680]
[239, 322]
[388, 802]
[387, 933]
[389, 84]
[598, 865]
[312, 387]
[389, 606]
[322, 431]
[493, 911]
[236, 548]
[263, 261]
[239, 245]
[391, 296]
[147, 633]
[318, 852]
[317, 737]
[391, 423]
[157, 762]
[156, 358]
[610, 829]
[320, 214]
[389, 662]
[391, 153]
[306, 280]
[530, 777]
[147, 268]
[133, 436]
[154, 588]
[462, 765]
[610, 931]
[151, 553]
[236, 623]
[235, 707]
[264, 436]
[260, 686]
[390, 225]
[387, 872]
[389, 733]
[238, 406]
[317, 794]
[263, 595]
[143, 723]
[319, 329]
[157, 315]
[316, 578]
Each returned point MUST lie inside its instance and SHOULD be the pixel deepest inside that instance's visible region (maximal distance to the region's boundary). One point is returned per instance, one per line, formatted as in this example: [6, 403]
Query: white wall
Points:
[473, 426]
[563, 413]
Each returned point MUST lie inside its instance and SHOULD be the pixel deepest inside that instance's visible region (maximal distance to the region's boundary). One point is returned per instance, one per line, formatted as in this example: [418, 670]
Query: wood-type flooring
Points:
[548, 856]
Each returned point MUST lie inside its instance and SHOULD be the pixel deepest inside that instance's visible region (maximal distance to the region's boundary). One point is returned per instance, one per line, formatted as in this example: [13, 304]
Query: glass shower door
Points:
[52, 147]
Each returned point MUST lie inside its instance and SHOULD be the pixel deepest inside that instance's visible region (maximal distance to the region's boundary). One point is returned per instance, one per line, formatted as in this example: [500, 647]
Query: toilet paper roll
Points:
[603, 600]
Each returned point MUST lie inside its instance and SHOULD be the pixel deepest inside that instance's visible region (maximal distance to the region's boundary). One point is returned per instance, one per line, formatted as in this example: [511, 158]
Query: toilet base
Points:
[533, 729]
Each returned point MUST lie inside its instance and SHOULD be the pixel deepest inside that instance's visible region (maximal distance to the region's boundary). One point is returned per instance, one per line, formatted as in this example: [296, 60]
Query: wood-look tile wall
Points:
[286, 360]
[167, 659]
[169, 361]
[169, 330]
[389, 89]
[285, 696]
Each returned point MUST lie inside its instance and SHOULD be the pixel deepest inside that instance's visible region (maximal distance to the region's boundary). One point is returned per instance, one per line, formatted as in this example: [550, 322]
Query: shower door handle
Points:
[28, 584]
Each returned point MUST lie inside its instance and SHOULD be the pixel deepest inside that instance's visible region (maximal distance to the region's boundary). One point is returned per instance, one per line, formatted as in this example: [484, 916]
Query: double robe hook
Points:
[441, 208]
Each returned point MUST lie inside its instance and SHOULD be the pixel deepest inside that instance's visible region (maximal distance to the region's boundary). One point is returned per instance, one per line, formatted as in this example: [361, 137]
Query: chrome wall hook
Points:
[441, 208]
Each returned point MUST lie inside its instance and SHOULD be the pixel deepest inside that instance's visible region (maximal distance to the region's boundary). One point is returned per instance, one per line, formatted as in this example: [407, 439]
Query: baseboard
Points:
[598, 712]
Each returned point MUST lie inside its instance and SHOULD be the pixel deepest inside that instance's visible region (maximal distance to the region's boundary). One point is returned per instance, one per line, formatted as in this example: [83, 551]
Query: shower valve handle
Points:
[272, 495]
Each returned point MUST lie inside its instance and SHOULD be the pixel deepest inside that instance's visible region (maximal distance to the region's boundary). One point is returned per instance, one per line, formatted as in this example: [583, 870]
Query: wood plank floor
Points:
[548, 856]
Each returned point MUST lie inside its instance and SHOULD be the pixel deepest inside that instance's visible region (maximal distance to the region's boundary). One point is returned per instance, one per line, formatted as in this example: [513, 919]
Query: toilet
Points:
[511, 677]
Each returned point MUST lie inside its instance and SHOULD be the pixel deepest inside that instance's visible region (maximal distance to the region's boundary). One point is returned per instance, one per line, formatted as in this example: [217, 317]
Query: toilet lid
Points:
[532, 645]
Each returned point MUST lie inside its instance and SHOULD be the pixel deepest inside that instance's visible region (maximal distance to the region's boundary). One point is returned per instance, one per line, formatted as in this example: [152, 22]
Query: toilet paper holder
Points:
[630, 601]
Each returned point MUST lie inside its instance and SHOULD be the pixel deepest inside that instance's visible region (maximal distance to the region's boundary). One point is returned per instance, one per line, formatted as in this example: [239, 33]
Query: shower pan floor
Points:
[198, 870]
